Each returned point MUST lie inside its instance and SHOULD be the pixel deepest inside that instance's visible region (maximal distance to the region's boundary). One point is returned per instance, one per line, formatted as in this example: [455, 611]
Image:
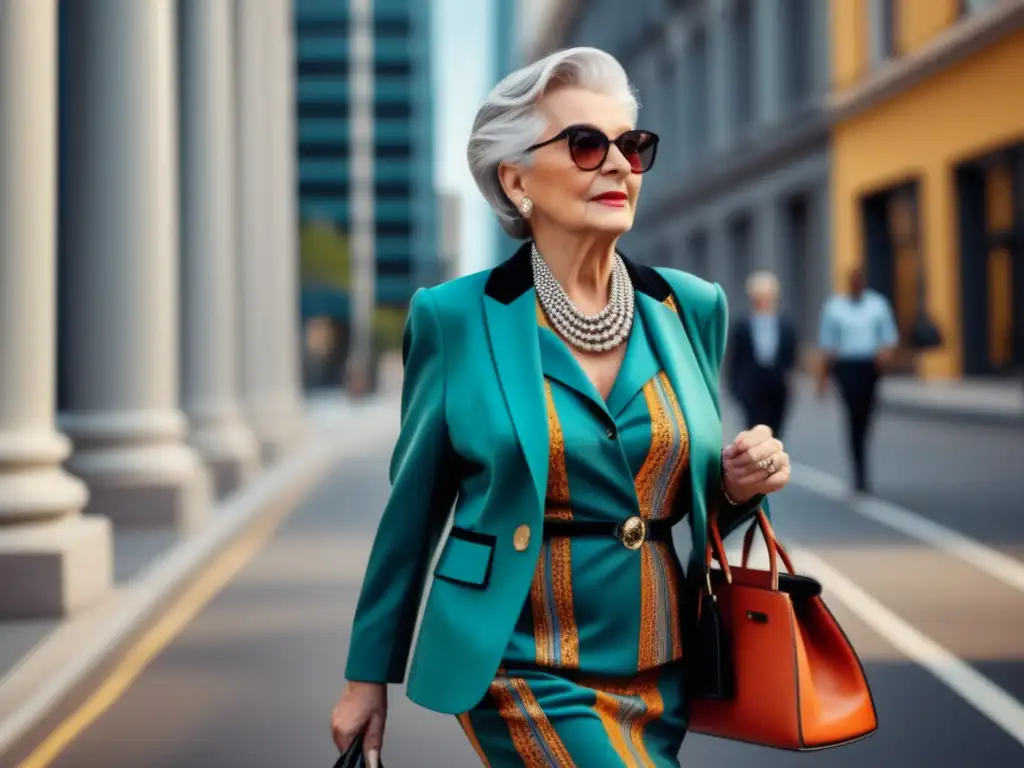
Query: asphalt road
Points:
[251, 680]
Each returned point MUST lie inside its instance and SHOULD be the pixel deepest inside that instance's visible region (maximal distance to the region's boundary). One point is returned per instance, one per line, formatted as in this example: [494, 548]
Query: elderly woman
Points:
[566, 404]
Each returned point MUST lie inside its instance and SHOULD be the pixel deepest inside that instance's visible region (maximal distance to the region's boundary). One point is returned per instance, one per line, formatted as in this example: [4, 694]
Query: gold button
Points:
[521, 538]
[633, 532]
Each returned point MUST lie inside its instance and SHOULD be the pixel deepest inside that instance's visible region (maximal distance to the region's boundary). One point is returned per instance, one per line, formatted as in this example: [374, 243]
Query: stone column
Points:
[209, 259]
[768, 49]
[821, 53]
[52, 560]
[284, 211]
[719, 256]
[767, 235]
[268, 312]
[362, 203]
[722, 74]
[119, 263]
[683, 40]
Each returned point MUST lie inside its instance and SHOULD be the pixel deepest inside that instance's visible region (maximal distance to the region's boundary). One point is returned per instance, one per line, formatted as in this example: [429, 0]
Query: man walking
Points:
[763, 351]
[857, 336]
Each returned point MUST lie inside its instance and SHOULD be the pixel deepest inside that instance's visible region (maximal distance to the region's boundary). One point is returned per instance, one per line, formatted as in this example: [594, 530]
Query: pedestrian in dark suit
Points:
[763, 352]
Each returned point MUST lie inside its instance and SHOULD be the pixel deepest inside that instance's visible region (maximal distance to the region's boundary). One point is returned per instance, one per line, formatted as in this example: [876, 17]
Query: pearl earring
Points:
[526, 207]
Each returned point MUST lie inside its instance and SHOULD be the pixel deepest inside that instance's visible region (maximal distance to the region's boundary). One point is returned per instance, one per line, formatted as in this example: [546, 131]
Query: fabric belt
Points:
[632, 532]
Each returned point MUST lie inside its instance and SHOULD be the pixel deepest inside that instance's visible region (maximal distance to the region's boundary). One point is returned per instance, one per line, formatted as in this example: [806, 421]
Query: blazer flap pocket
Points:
[466, 558]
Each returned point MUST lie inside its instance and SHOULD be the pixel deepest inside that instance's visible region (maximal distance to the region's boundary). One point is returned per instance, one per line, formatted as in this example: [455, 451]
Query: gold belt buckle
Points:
[633, 532]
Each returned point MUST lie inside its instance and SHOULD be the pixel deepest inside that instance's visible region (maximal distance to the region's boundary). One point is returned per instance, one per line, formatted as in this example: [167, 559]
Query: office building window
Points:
[392, 151]
[392, 69]
[697, 257]
[391, 27]
[666, 79]
[394, 267]
[798, 48]
[322, 150]
[744, 57]
[894, 257]
[990, 193]
[394, 228]
[323, 68]
[799, 261]
[401, 189]
[312, 110]
[882, 30]
[319, 28]
[740, 231]
[322, 189]
[390, 110]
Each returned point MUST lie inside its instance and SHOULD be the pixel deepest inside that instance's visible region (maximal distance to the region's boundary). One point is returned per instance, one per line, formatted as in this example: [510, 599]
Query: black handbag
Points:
[353, 756]
[926, 334]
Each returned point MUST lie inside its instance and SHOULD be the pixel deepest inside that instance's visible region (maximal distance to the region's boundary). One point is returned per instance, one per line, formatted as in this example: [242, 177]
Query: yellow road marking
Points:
[158, 637]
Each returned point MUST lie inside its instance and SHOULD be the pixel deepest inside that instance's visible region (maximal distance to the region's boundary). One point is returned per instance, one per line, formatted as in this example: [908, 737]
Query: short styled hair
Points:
[762, 279]
[508, 122]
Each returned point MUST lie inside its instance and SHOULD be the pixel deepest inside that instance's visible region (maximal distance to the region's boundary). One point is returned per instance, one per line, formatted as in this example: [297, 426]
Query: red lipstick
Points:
[612, 199]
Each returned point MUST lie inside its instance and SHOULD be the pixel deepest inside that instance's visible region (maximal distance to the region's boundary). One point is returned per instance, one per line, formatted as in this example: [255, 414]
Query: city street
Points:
[251, 680]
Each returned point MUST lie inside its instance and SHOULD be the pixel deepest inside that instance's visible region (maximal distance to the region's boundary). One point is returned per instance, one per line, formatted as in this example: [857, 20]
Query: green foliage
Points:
[388, 325]
[324, 261]
[324, 256]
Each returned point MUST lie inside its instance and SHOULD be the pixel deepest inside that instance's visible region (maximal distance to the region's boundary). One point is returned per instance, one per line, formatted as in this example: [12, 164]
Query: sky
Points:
[462, 31]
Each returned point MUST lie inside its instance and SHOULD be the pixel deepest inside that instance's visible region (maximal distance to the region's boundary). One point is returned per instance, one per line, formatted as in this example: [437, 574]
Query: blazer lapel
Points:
[510, 314]
[670, 341]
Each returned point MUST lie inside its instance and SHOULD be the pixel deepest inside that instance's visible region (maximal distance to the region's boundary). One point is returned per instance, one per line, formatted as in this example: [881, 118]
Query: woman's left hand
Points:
[754, 464]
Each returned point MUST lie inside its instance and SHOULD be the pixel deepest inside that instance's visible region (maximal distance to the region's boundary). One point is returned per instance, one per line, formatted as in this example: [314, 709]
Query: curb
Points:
[1013, 419]
[82, 647]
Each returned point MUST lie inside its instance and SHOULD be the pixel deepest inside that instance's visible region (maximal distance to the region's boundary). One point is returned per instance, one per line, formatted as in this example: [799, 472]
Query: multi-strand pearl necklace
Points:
[591, 333]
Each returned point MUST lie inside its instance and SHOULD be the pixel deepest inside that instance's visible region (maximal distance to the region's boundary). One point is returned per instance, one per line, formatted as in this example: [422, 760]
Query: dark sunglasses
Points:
[588, 147]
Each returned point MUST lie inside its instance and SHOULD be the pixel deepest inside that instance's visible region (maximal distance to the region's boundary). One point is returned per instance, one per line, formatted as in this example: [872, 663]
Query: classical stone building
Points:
[148, 319]
[737, 91]
[936, 215]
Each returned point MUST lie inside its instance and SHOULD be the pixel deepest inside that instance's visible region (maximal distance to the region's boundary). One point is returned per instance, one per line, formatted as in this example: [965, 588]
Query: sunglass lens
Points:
[638, 147]
[588, 148]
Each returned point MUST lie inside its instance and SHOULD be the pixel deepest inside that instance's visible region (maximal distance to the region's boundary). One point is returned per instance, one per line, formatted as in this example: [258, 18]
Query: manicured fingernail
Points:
[729, 451]
[373, 758]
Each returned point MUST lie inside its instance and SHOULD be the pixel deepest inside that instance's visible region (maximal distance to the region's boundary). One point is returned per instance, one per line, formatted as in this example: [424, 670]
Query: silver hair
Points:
[508, 122]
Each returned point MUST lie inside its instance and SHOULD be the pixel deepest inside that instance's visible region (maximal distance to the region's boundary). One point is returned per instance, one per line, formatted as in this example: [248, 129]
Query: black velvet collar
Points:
[513, 277]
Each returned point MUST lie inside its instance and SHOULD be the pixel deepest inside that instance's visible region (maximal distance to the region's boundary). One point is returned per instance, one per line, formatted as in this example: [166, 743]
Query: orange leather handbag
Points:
[782, 672]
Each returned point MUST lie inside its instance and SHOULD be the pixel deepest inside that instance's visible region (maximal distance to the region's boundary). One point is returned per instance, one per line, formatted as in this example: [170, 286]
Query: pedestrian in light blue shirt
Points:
[857, 336]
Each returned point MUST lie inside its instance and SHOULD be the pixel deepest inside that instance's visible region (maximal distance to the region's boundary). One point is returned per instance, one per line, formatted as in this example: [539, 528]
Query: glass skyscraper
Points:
[406, 241]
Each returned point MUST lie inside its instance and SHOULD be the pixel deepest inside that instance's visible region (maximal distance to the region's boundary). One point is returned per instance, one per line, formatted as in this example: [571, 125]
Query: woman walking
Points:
[566, 403]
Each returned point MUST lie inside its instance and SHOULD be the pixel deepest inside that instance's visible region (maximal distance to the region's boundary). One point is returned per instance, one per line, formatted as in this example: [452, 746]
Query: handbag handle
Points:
[716, 550]
[748, 542]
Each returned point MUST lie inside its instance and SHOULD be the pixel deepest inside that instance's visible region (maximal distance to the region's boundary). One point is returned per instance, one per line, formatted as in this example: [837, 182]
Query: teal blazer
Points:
[474, 433]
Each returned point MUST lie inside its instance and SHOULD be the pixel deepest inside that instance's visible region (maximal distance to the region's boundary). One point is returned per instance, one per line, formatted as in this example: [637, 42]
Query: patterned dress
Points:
[590, 677]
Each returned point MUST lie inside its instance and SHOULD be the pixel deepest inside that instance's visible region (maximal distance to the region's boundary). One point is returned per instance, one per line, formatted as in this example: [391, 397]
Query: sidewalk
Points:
[43, 663]
[993, 400]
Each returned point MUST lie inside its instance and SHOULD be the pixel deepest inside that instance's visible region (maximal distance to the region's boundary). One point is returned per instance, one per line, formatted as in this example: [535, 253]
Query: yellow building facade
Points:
[928, 172]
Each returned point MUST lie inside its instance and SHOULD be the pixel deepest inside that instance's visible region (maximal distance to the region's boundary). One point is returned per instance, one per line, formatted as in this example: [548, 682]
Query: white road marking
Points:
[986, 559]
[976, 689]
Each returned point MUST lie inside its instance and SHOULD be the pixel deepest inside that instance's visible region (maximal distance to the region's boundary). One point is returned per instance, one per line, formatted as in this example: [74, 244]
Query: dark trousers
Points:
[857, 382]
[768, 408]
[763, 393]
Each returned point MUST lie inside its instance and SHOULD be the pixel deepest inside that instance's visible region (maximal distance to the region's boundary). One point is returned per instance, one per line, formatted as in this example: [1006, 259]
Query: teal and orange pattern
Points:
[590, 674]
